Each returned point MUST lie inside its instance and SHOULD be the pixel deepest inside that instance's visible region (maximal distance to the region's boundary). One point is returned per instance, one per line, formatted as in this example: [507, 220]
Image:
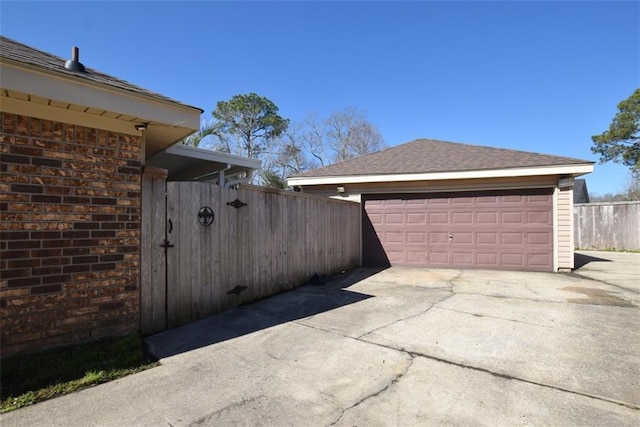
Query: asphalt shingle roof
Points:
[18, 52]
[429, 155]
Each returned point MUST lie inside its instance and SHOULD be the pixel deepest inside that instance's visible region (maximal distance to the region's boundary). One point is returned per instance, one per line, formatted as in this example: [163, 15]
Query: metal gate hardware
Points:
[237, 290]
[236, 204]
[206, 216]
[166, 244]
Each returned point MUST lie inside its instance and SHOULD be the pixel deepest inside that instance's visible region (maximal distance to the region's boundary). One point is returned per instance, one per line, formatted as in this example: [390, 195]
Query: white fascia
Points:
[573, 170]
[214, 156]
[95, 95]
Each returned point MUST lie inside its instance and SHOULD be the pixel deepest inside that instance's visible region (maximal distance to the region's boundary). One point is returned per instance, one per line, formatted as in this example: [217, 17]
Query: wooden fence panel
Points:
[614, 225]
[274, 243]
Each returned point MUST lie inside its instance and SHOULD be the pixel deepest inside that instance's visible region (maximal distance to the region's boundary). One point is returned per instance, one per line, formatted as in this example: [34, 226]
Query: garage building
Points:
[441, 204]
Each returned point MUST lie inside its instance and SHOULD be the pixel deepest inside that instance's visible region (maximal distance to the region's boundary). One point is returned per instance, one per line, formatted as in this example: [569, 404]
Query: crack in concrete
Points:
[509, 377]
[415, 354]
[204, 420]
[574, 274]
[494, 317]
[541, 301]
[528, 288]
[411, 316]
[393, 381]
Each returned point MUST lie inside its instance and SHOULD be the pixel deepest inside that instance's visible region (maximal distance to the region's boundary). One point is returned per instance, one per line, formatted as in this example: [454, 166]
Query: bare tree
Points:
[349, 134]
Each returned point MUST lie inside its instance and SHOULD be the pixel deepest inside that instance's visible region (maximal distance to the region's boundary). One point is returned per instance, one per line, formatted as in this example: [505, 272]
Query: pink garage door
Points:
[493, 230]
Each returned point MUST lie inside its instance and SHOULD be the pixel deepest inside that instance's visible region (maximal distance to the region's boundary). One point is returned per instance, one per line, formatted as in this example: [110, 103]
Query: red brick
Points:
[11, 274]
[23, 188]
[24, 281]
[24, 244]
[47, 289]
[70, 222]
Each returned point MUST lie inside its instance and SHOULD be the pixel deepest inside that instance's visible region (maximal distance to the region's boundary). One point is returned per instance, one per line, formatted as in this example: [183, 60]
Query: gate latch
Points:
[166, 244]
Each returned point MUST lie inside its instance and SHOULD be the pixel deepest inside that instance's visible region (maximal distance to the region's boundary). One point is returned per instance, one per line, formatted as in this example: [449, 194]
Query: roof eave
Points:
[565, 170]
[27, 78]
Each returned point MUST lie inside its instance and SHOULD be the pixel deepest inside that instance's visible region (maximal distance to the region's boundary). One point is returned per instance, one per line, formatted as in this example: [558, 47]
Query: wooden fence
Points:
[275, 242]
[612, 225]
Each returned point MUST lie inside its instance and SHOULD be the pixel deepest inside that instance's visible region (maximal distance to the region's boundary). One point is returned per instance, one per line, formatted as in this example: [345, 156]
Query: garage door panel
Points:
[540, 238]
[462, 217]
[393, 218]
[539, 260]
[490, 218]
[375, 218]
[459, 258]
[438, 217]
[462, 238]
[512, 199]
[487, 238]
[487, 259]
[542, 199]
[436, 237]
[416, 257]
[416, 237]
[501, 229]
[513, 259]
[538, 217]
[417, 218]
[515, 238]
[394, 237]
[439, 258]
[512, 218]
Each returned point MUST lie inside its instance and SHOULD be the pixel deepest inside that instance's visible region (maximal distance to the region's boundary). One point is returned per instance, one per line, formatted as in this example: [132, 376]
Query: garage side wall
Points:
[69, 233]
[564, 228]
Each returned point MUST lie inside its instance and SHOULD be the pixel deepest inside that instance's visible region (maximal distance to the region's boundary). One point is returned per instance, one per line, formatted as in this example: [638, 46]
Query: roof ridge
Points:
[492, 148]
[432, 155]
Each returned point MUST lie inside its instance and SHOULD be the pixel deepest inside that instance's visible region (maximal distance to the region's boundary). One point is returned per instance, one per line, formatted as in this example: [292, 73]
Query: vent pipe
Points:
[74, 63]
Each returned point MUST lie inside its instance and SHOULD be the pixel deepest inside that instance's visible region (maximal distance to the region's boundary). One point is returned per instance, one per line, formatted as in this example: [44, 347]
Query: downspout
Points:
[244, 180]
[221, 182]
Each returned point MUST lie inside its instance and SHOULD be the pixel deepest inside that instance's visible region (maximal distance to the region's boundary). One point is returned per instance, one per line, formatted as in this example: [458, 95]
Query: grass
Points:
[32, 378]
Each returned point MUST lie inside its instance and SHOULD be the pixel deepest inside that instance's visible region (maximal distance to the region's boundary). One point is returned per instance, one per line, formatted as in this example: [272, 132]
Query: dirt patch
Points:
[596, 297]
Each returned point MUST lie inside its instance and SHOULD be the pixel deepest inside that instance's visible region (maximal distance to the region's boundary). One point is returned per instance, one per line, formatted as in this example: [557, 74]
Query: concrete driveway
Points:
[398, 347]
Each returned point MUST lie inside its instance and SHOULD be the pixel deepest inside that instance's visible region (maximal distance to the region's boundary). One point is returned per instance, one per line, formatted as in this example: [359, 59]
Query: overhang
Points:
[185, 163]
[573, 170]
[41, 93]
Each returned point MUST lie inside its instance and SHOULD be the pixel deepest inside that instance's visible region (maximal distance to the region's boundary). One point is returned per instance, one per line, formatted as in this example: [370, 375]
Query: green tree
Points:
[251, 121]
[206, 129]
[272, 179]
[621, 142]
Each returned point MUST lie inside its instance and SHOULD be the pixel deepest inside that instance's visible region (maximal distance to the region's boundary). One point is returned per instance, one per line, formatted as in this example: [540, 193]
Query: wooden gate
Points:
[258, 242]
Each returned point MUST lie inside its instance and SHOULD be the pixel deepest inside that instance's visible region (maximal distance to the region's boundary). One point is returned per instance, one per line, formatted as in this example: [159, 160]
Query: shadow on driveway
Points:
[580, 260]
[317, 296]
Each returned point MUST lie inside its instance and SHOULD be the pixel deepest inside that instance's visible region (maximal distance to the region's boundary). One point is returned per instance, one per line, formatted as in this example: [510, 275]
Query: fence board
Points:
[153, 260]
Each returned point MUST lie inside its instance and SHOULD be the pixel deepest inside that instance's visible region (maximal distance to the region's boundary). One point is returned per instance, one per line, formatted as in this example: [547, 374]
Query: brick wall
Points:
[69, 233]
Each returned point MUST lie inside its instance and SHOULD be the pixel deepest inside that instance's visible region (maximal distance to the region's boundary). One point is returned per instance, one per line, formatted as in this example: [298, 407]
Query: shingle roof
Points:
[18, 52]
[428, 156]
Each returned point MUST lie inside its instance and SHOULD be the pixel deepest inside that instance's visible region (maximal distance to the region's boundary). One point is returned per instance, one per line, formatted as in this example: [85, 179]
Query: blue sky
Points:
[537, 76]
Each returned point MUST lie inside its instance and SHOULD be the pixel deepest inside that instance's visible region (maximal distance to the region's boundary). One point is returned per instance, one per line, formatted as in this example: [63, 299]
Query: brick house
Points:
[73, 148]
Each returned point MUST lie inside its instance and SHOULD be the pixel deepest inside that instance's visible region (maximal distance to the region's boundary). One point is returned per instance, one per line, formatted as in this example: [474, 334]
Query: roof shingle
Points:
[428, 156]
[18, 52]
